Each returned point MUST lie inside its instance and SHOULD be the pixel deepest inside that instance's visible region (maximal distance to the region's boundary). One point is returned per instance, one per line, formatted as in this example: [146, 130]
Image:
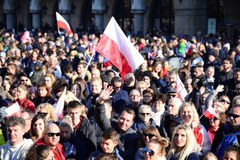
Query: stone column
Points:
[138, 8]
[99, 8]
[190, 16]
[64, 8]
[9, 10]
[35, 10]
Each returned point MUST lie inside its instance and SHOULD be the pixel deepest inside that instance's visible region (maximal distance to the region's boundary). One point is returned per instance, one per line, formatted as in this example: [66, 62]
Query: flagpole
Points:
[85, 71]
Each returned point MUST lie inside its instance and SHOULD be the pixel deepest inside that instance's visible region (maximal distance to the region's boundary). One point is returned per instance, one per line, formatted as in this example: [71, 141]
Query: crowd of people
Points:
[146, 115]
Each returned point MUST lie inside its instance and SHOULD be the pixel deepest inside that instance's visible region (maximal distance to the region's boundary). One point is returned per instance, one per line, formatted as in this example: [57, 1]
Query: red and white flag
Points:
[115, 46]
[181, 90]
[60, 104]
[62, 23]
[209, 113]
[13, 110]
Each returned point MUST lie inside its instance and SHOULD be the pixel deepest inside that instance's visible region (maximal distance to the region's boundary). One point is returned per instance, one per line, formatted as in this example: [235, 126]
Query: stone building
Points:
[135, 16]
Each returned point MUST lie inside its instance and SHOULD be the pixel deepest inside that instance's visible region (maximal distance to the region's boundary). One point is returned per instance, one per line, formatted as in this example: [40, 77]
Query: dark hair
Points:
[161, 97]
[130, 111]
[107, 156]
[42, 151]
[233, 149]
[14, 121]
[110, 134]
[59, 85]
[35, 118]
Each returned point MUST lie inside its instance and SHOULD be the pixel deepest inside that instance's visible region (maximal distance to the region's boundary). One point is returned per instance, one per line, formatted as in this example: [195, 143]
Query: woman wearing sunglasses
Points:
[148, 134]
[214, 123]
[47, 110]
[183, 145]
[156, 149]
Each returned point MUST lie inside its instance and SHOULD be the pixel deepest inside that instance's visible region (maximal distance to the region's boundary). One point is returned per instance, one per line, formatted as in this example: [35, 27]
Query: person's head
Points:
[44, 152]
[237, 75]
[39, 122]
[183, 141]
[81, 67]
[95, 73]
[225, 100]
[75, 110]
[198, 71]
[234, 115]
[76, 89]
[210, 156]
[52, 135]
[147, 77]
[148, 96]
[25, 80]
[22, 91]
[188, 113]
[217, 120]
[47, 110]
[159, 102]
[58, 87]
[174, 106]
[156, 148]
[134, 96]
[27, 115]
[15, 129]
[141, 86]
[109, 140]
[65, 130]
[232, 153]
[150, 133]
[157, 66]
[129, 79]
[43, 90]
[144, 113]
[116, 82]
[96, 85]
[188, 85]
[210, 71]
[126, 119]
[107, 156]
[49, 79]
[227, 64]
[172, 76]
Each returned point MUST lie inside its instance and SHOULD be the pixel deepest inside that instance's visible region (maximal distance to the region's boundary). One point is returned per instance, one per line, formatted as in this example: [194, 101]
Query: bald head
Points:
[52, 135]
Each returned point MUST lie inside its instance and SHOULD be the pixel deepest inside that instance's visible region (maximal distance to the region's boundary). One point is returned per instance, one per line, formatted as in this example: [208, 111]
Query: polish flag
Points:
[60, 104]
[62, 23]
[180, 88]
[189, 48]
[115, 46]
[209, 113]
[13, 110]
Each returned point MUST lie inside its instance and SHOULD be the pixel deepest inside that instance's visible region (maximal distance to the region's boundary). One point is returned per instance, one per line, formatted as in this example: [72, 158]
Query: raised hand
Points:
[105, 94]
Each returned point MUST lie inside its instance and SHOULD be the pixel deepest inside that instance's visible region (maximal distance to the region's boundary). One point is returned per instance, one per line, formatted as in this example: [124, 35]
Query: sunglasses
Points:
[233, 115]
[214, 119]
[224, 101]
[145, 114]
[150, 136]
[149, 151]
[52, 134]
[43, 114]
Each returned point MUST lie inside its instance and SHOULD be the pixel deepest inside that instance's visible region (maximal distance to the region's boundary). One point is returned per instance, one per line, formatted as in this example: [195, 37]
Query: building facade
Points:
[134, 16]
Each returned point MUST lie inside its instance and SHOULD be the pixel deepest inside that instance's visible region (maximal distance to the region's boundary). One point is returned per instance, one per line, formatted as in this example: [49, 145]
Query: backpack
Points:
[228, 140]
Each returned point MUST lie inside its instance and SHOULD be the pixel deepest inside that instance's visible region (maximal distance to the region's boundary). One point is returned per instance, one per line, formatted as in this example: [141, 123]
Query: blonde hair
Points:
[50, 110]
[194, 110]
[189, 147]
[162, 143]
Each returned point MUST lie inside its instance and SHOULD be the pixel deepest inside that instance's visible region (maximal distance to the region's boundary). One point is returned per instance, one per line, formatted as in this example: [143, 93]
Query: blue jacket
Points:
[140, 126]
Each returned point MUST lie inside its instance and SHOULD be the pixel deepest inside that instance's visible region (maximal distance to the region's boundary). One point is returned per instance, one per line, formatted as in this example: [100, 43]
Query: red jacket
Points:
[26, 104]
[59, 147]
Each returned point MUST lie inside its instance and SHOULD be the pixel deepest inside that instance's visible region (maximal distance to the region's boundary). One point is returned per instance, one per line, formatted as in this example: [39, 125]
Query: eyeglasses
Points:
[52, 134]
[214, 119]
[149, 151]
[150, 136]
[43, 114]
[172, 95]
[145, 114]
[224, 101]
[233, 115]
